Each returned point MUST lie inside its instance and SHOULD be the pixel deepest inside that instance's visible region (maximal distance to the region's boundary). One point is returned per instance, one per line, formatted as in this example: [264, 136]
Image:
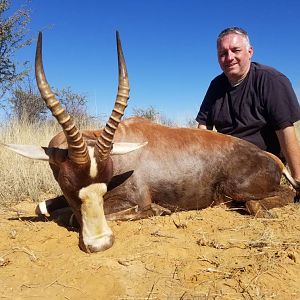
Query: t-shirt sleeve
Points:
[281, 103]
[205, 112]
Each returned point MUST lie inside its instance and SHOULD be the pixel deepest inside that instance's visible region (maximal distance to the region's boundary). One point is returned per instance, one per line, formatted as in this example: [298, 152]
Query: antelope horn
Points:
[77, 148]
[104, 142]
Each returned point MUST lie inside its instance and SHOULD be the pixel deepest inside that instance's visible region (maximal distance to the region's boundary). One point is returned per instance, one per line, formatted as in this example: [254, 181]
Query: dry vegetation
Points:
[210, 254]
[22, 178]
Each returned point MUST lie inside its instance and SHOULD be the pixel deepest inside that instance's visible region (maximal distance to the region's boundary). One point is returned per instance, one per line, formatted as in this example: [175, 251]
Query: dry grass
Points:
[22, 178]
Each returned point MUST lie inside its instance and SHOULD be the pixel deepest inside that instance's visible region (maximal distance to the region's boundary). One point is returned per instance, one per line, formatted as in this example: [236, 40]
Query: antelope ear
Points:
[29, 151]
[123, 148]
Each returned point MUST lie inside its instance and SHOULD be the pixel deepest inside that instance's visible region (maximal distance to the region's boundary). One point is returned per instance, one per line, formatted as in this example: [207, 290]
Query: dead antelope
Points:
[164, 169]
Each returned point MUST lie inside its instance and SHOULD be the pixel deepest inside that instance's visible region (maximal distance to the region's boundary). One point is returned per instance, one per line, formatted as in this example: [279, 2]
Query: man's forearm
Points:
[201, 126]
[291, 149]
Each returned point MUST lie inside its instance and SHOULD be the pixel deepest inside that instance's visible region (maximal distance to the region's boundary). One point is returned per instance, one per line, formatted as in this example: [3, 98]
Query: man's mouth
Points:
[230, 66]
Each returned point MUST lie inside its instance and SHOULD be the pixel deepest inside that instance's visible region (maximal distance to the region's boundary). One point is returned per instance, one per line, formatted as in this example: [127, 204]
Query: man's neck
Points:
[238, 81]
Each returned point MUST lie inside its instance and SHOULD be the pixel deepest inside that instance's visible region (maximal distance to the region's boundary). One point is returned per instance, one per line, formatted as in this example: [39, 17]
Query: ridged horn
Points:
[77, 148]
[104, 142]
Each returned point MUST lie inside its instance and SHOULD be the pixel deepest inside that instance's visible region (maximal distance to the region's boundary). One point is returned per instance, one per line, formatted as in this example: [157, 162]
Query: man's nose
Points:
[230, 55]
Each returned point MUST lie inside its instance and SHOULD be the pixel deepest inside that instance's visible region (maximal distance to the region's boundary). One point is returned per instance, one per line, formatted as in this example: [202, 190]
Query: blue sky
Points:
[169, 47]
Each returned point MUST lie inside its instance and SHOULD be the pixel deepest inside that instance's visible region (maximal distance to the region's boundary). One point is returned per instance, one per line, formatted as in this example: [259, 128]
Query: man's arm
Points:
[201, 126]
[290, 148]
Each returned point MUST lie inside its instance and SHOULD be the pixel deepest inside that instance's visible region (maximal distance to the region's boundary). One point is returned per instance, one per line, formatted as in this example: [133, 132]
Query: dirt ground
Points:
[210, 254]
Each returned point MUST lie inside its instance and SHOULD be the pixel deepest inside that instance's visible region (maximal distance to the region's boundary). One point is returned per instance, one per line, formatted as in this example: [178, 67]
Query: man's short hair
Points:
[236, 30]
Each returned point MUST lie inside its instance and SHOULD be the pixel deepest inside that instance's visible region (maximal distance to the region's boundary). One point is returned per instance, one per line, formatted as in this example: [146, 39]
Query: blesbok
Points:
[164, 169]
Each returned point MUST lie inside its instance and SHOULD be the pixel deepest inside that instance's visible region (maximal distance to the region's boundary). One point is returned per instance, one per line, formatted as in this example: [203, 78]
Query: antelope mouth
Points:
[99, 244]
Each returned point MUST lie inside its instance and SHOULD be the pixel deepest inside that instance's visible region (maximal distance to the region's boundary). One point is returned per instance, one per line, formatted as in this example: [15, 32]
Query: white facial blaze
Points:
[97, 236]
[93, 169]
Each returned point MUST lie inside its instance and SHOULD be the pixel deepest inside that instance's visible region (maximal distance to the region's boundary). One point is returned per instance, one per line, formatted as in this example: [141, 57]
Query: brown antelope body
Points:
[178, 168]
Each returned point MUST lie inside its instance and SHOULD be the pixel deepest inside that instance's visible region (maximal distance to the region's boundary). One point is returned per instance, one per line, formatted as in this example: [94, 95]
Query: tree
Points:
[13, 30]
[153, 115]
[75, 104]
[26, 102]
[149, 113]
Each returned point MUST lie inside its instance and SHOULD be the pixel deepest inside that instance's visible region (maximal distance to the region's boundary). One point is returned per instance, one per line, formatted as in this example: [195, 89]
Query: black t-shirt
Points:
[264, 102]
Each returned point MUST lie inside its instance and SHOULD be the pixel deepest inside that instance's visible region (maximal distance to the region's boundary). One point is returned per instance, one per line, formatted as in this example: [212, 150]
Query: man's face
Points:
[234, 55]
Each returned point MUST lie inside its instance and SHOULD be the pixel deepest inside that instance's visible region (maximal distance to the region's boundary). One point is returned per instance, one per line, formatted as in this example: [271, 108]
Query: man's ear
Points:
[251, 52]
